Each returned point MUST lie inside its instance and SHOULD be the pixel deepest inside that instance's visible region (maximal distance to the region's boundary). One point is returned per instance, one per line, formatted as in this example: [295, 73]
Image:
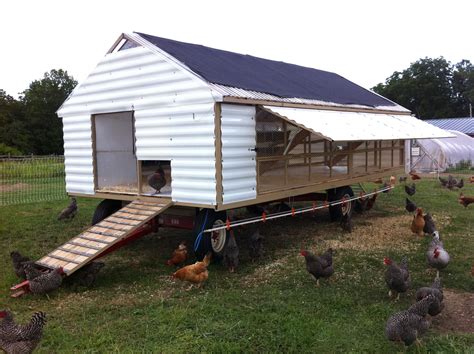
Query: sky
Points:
[365, 41]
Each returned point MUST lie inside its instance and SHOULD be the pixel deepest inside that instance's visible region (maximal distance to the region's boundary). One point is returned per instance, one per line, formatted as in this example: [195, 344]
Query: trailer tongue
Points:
[126, 225]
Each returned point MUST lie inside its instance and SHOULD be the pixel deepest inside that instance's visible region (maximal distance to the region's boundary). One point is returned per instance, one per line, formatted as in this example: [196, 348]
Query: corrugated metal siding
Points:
[463, 125]
[78, 154]
[239, 177]
[174, 120]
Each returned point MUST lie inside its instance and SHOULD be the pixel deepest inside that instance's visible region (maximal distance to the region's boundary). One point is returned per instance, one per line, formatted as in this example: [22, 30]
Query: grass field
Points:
[268, 306]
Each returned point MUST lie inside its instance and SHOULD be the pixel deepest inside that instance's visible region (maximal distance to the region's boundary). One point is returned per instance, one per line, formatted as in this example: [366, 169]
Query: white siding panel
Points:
[78, 163]
[239, 178]
[174, 120]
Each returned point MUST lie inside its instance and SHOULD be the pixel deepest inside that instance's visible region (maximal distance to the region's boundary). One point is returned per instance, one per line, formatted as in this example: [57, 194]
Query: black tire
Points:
[203, 242]
[336, 211]
[104, 209]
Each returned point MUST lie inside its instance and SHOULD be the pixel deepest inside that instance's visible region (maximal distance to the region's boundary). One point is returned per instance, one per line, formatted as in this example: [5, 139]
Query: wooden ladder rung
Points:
[108, 226]
[117, 220]
[125, 215]
[94, 239]
[135, 211]
[80, 253]
[105, 233]
[85, 246]
[61, 258]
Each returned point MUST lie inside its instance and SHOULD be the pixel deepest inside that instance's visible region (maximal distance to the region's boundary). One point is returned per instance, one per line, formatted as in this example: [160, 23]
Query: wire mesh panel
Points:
[30, 179]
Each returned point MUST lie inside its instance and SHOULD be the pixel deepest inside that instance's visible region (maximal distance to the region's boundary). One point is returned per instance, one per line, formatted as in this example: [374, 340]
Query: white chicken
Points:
[436, 255]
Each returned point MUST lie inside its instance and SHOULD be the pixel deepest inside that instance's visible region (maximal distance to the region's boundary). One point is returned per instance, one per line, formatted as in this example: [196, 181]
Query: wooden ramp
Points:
[83, 248]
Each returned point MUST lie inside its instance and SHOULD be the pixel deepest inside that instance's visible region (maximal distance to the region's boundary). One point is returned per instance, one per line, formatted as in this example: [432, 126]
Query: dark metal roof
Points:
[463, 125]
[268, 76]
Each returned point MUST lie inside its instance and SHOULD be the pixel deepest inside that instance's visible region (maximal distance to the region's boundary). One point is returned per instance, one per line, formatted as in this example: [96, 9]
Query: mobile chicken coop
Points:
[229, 131]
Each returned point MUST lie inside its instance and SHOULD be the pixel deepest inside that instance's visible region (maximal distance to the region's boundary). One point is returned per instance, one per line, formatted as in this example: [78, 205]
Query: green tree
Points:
[14, 133]
[432, 88]
[41, 100]
[463, 87]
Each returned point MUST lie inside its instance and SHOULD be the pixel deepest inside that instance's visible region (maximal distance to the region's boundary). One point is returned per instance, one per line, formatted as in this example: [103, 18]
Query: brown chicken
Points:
[471, 179]
[418, 222]
[361, 204]
[180, 255]
[414, 176]
[196, 273]
[463, 200]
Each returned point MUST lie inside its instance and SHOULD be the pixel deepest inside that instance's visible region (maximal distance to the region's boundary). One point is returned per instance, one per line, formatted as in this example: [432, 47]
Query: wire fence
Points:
[30, 179]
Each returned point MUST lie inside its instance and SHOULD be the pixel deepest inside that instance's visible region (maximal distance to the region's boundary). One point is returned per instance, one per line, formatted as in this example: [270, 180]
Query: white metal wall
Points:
[239, 175]
[174, 120]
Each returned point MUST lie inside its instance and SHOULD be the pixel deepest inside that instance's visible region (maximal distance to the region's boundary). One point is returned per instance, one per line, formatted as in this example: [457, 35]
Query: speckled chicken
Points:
[32, 271]
[402, 179]
[410, 190]
[436, 255]
[430, 226]
[157, 180]
[397, 276]
[452, 182]
[69, 212]
[179, 256]
[407, 326]
[319, 266]
[256, 244]
[410, 206]
[22, 339]
[231, 253]
[436, 290]
[46, 282]
[418, 222]
[443, 181]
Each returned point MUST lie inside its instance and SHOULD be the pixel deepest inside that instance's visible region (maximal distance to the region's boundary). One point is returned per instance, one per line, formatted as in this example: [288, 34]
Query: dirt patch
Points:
[458, 314]
[382, 232]
[265, 273]
[14, 187]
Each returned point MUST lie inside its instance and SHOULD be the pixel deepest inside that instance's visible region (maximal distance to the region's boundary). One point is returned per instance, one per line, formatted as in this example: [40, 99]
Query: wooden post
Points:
[366, 156]
[350, 159]
[309, 159]
[330, 158]
[218, 152]
[285, 143]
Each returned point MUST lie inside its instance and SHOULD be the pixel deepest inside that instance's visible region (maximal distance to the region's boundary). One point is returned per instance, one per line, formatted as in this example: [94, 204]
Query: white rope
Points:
[294, 212]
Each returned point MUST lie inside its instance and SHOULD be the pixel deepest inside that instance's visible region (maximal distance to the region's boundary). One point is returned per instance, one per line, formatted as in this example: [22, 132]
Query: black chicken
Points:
[436, 290]
[319, 266]
[410, 206]
[87, 275]
[16, 338]
[231, 253]
[157, 180]
[360, 204]
[19, 261]
[408, 325]
[460, 184]
[346, 223]
[410, 190]
[46, 282]
[443, 181]
[397, 276]
[452, 182]
[69, 212]
[430, 226]
[256, 244]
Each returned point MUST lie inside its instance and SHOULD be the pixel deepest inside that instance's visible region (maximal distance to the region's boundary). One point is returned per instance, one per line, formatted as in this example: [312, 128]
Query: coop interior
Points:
[115, 160]
[155, 178]
[289, 156]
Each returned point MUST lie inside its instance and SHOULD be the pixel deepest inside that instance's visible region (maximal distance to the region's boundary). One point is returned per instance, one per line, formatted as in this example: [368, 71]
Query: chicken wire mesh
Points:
[30, 179]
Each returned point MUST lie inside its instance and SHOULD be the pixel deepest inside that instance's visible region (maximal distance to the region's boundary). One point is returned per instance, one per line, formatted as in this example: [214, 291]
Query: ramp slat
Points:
[91, 243]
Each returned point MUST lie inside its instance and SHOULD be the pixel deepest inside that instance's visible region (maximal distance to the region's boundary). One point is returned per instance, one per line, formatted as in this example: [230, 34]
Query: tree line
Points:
[430, 88]
[30, 124]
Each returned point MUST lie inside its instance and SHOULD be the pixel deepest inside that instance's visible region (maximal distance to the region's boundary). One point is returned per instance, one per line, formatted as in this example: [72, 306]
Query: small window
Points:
[128, 45]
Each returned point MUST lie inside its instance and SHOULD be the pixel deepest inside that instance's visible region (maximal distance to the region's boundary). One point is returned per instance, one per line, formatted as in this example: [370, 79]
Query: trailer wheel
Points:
[209, 241]
[104, 209]
[337, 211]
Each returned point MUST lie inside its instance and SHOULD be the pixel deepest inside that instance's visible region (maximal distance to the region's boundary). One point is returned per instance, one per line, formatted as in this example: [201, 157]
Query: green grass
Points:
[267, 306]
